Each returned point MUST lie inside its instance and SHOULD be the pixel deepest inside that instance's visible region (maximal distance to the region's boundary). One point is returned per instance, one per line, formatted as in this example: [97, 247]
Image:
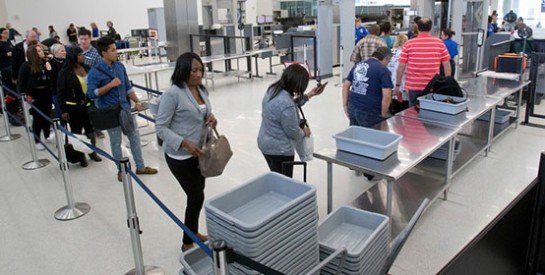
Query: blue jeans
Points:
[413, 95]
[136, 149]
[362, 118]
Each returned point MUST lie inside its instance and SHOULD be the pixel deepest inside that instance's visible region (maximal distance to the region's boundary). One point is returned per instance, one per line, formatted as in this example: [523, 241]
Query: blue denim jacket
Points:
[117, 95]
[279, 125]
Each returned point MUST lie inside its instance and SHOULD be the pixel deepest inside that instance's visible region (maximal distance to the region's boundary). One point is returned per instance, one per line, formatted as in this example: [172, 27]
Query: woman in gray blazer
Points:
[280, 120]
[183, 113]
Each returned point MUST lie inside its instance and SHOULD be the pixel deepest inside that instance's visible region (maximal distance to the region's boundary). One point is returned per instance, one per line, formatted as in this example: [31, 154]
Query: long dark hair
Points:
[182, 70]
[294, 80]
[72, 58]
[34, 59]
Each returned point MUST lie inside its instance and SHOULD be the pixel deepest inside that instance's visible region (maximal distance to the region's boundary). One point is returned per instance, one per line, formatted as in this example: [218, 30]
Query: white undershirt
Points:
[202, 108]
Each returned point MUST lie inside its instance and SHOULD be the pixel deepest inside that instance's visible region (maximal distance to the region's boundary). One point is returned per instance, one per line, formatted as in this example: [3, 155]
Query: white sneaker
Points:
[39, 147]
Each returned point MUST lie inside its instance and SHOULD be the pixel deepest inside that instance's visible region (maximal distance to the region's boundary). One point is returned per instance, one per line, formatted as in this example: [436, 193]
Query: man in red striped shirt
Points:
[422, 57]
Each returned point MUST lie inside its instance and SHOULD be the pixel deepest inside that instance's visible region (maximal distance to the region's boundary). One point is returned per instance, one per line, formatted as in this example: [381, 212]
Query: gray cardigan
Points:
[179, 118]
[279, 125]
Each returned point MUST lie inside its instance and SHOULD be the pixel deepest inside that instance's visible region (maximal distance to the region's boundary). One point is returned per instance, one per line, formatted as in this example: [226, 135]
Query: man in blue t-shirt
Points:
[361, 31]
[367, 91]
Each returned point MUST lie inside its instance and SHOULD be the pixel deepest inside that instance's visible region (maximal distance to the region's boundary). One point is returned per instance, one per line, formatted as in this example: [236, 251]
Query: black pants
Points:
[189, 176]
[79, 121]
[40, 123]
[275, 164]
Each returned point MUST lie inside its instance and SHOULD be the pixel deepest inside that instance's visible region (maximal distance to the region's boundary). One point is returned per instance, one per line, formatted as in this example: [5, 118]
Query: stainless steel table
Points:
[471, 144]
[419, 140]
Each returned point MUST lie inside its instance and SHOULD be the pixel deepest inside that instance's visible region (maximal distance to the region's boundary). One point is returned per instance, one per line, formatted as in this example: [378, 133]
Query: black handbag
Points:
[104, 118]
[443, 85]
[72, 155]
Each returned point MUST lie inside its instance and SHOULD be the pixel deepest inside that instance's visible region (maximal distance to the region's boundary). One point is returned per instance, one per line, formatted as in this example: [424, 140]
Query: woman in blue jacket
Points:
[280, 128]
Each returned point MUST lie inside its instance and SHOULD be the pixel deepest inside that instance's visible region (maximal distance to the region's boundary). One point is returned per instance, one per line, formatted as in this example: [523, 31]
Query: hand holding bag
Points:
[217, 153]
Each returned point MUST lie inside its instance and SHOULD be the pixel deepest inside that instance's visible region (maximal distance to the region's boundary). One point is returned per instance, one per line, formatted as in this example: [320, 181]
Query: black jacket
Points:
[56, 66]
[18, 58]
[5, 48]
[69, 88]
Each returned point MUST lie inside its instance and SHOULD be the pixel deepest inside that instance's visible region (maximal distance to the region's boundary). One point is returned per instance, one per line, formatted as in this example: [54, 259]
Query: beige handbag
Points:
[217, 153]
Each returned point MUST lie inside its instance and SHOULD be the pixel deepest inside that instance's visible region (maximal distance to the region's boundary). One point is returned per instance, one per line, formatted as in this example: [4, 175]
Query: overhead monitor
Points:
[261, 19]
[268, 19]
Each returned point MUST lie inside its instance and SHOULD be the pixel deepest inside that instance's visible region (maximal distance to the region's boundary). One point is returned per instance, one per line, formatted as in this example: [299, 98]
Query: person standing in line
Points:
[38, 33]
[109, 84]
[91, 58]
[452, 47]
[52, 32]
[361, 32]
[111, 31]
[95, 33]
[421, 56]
[34, 80]
[6, 53]
[72, 89]
[367, 90]
[399, 42]
[413, 28]
[12, 32]
[386, 34]
[367, 45]
[183, 113]
[72, 34]
[19, 54]
[280, 128]
[510, 20]
[57, 61]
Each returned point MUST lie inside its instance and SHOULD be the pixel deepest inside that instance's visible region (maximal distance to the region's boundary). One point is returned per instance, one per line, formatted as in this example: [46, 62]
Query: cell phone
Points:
[321, 88]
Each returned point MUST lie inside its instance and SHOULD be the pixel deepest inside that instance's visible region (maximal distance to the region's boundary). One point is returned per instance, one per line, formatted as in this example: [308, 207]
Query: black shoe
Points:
[369, 177]
[99, 134]
[83, 162]
[94, 156]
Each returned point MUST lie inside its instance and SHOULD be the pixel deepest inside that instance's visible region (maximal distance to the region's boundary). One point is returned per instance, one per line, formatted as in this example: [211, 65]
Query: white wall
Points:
[125, 14]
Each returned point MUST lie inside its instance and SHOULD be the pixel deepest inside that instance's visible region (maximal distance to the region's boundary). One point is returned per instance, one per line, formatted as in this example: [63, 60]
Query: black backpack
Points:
[444, 85]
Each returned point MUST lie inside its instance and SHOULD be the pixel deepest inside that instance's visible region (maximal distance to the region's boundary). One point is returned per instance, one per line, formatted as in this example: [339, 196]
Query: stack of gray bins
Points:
[364, 234]
[272, 219]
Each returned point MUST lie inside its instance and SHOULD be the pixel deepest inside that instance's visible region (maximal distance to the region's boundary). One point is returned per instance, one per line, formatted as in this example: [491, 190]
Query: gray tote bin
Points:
[367, 142]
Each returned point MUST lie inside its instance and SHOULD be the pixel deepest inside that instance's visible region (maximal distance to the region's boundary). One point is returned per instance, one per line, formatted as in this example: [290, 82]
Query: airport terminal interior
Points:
[461, 192]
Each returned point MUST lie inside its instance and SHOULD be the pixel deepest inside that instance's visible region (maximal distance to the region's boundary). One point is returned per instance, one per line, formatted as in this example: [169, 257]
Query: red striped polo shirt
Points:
[423, 56]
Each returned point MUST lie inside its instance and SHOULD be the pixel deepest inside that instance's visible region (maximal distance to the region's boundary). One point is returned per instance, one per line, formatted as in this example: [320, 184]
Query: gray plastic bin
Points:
[502, 116]
[254, 204]
[367, 142]
[196, 262]
[433, 102]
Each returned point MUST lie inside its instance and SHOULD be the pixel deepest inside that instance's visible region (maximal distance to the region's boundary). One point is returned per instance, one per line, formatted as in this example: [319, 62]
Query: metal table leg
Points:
[448, 166]
[329, 187]
[490, 130]
[519, 105]
[389, 195]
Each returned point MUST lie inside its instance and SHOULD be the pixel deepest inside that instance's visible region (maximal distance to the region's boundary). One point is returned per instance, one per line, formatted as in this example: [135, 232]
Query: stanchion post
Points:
[305, 54]
[134, 224]
[221, 266]
[35, 163]
[9, 136]
[73, 210]
[341, 65]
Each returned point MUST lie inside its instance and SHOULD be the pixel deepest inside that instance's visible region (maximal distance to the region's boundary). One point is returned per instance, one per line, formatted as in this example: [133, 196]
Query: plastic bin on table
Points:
[367, 142]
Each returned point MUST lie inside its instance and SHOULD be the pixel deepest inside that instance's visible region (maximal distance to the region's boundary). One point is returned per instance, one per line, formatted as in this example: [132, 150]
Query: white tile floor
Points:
[33, 242]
